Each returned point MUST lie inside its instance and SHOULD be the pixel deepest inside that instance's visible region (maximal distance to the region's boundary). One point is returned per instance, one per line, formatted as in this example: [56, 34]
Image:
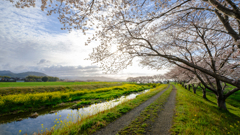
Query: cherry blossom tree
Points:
[192, 47]
[186, 78]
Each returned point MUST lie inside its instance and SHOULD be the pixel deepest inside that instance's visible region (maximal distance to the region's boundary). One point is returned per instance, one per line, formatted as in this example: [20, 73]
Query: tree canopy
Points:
[45, 79]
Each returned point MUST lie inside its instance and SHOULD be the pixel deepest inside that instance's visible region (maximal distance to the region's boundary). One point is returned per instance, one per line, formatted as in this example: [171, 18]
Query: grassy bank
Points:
[233, 100]
[195, 115]
[91, 124]
[40, 89]
[23, 102]
[142, 124]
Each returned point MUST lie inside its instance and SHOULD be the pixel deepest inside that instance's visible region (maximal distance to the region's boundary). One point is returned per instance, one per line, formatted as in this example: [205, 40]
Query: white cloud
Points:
[26, 35]
[32, 41]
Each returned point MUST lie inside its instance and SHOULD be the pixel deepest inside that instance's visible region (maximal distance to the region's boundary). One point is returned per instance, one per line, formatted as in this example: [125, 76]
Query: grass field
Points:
[23, 102]
[195, 115]
[53, 88]
[41, 84]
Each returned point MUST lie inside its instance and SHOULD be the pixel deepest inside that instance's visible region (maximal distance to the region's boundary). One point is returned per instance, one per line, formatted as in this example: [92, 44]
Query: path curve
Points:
[164, 121]
[120, 123]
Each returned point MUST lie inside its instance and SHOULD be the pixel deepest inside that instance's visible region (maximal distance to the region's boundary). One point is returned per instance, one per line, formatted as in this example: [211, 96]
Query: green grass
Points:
[41, 89]
[234, 99]
[94, 123]
[142, 124]
[195, 115]
[37, 84]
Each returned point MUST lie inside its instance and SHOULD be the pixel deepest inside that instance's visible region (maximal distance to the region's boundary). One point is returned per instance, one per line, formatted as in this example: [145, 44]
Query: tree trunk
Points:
[220, 97]
[204, 93]
[221, 103]
[194, 89]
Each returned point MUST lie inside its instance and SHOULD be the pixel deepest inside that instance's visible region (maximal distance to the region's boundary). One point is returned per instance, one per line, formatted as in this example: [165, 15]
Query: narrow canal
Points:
[46, 121]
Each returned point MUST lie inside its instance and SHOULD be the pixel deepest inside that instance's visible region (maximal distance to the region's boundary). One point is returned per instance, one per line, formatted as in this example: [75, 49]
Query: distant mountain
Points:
[20, 75]
[25, 74]
[6, 73]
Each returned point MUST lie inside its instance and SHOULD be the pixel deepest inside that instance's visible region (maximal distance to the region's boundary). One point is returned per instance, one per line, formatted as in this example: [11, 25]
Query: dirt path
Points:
[164, 121]
[126, 119]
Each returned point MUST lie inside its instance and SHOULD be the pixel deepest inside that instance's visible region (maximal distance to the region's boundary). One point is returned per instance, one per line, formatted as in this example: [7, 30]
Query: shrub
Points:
[124, 110]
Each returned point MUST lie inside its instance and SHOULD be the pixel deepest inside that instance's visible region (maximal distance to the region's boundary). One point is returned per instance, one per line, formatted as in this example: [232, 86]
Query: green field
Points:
[39, 84]
[41, 87]
[24, 101]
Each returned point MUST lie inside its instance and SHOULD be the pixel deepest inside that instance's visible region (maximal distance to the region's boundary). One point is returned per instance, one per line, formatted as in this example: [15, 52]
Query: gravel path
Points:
[164, 121]
[126, 119]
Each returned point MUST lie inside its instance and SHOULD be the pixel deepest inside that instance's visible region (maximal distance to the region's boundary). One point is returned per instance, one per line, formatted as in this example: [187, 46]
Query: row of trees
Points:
[8, 77]
[194, 79]
[32, 78]
[201, 37]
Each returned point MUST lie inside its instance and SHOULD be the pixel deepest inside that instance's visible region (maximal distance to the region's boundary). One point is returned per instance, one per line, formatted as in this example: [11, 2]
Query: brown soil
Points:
[126, 119]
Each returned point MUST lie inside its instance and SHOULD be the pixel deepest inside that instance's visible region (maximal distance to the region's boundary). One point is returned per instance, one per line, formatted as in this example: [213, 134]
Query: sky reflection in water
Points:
[31, 125]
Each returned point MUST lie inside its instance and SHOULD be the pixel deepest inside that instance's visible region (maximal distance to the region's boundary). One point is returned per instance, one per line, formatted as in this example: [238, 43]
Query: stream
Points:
[46, 121]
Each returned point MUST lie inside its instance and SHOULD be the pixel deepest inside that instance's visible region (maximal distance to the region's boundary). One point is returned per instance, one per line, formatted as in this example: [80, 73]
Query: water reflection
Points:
[39, 124]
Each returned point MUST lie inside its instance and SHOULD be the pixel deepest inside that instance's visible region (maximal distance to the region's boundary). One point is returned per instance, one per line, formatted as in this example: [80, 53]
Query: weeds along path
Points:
[164, 120]
[126, 119]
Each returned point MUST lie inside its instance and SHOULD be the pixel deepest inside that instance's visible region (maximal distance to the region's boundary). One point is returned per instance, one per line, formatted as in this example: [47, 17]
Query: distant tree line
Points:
[5, 77]
[30, 78]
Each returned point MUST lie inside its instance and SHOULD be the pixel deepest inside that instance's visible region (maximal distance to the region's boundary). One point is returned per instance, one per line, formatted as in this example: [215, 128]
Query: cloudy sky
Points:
[32, 41]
